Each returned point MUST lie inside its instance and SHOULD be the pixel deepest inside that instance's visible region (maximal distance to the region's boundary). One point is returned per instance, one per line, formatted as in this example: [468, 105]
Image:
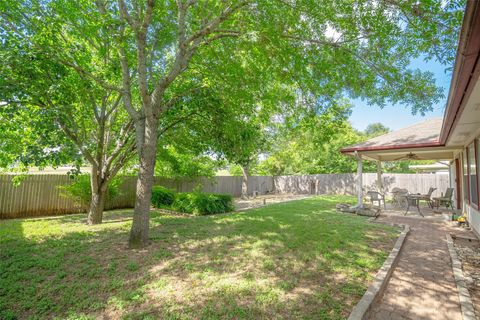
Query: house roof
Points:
[436, 167]
[422, 134]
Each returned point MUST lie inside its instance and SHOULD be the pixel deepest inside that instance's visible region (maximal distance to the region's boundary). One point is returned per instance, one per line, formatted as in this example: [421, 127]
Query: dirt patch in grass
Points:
[267, 199]
[298, 259]
[468, 251]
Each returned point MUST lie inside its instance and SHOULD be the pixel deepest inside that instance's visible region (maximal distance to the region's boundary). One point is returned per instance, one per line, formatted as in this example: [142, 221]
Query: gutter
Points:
[467, 69]
[393, 147]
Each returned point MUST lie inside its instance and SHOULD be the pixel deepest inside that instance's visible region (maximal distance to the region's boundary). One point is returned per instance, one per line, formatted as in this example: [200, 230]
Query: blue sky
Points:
[396, 117]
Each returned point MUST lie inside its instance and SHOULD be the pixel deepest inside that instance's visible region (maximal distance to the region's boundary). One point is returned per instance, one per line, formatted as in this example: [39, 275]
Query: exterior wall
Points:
[473, 217]
[472, 214]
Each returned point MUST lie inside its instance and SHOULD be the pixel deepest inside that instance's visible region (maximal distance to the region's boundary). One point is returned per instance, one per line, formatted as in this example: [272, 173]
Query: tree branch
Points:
[120, 162]
[213, 24]
[84, 72]
[126, 16]
[72, 135]
[171, 102]
[174, 123]
[126, 84]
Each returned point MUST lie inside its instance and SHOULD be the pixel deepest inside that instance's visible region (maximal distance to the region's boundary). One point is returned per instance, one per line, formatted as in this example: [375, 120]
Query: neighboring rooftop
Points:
[434, 167]
[421, 134]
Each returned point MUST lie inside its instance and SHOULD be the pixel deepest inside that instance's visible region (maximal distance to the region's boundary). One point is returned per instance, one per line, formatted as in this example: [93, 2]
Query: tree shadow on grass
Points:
[297, 259]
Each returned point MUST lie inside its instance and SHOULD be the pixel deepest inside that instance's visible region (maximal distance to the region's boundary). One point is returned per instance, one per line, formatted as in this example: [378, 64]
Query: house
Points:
[455, 138]
[436, 168]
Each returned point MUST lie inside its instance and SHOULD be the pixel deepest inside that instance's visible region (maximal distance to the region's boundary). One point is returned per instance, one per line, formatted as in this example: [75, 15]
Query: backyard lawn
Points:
[299, 259]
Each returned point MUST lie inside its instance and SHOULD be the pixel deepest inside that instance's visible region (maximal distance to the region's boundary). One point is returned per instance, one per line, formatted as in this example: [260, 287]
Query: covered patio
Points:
[417, 142]
[422, 283]
[424, 212]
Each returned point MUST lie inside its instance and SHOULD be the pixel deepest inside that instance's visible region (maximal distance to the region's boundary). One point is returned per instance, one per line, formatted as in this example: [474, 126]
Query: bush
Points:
[80, 190]
[162, 197]
[199, 203]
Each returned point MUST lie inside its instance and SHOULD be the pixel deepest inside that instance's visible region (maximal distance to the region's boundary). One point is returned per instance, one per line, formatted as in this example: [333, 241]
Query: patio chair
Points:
[446, 199]
[428, 197]
[399, 197]
[413, 200]
[377, 197]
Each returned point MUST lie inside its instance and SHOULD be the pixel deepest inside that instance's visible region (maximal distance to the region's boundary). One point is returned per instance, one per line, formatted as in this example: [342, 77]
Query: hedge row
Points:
[197, 203]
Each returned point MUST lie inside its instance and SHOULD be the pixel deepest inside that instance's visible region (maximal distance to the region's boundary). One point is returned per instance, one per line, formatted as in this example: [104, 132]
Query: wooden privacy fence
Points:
[230, 185]
[344, 183]
[39, 195]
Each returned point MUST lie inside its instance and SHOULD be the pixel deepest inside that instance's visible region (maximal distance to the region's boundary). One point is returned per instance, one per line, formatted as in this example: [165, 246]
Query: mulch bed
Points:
[468, 251]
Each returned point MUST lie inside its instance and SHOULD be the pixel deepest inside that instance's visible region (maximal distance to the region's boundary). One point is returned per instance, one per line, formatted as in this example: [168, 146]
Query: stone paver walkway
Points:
[422, 285]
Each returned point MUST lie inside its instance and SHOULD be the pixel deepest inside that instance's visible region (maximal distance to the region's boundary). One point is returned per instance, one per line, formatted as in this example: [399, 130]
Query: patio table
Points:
[413, 200]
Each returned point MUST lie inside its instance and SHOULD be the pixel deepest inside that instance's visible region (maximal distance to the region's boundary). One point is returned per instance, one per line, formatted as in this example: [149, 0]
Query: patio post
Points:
[359, 181]
[379, 176]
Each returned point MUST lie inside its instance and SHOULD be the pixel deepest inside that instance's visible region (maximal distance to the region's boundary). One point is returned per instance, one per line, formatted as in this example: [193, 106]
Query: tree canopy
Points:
[376, 129]
[155, 55]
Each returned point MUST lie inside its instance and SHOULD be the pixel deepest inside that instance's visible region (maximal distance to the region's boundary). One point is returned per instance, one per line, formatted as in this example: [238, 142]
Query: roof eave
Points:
[392, 147]
[466, 69]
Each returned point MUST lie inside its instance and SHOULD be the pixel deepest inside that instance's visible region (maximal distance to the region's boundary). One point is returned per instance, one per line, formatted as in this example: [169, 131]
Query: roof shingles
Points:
[426, 133]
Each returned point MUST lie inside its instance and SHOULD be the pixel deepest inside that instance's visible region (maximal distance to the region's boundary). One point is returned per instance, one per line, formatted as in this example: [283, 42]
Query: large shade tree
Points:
[362, 48]
[240, 142]
[376, 129]
[54, 116]
[309, 142]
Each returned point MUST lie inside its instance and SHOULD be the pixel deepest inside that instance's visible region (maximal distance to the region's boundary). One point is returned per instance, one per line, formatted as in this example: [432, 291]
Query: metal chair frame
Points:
[376, 196]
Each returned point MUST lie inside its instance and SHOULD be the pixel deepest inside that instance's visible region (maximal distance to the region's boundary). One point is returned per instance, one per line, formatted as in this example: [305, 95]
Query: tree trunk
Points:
[98, 187]
[97, 205]
[244, 182]
[141, 216]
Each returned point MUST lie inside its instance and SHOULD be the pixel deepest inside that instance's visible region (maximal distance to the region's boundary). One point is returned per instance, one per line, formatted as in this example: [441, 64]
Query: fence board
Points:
[38, 195]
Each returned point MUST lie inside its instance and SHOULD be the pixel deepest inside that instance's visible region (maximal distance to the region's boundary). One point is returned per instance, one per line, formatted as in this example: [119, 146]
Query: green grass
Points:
[299, 259]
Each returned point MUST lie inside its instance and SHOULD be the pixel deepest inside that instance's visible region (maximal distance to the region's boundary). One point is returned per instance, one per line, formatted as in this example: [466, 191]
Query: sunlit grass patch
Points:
[299, 259]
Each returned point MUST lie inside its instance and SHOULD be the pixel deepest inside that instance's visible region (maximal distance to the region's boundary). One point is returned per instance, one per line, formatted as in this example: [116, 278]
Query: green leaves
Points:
[265, 60]
[313, 144]
[174, 163]
[80, 192]
[376, 129]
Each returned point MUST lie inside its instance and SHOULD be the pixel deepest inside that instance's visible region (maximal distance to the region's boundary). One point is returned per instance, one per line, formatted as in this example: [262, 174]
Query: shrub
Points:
[199, 203]
[81, 193]
[162, 197]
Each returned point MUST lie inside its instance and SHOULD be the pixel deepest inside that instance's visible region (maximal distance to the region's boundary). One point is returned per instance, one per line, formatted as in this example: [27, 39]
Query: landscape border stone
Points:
[468, 312]
[376, 289]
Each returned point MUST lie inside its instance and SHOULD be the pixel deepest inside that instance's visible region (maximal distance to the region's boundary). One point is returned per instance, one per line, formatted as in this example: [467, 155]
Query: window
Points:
[465, 176]
[472, 173]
